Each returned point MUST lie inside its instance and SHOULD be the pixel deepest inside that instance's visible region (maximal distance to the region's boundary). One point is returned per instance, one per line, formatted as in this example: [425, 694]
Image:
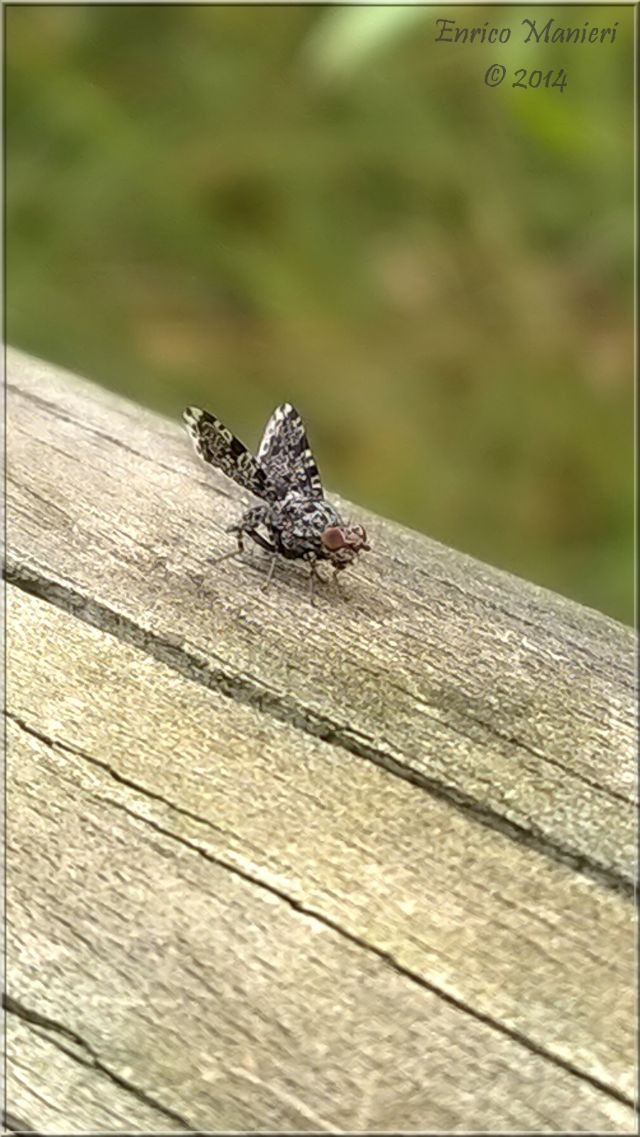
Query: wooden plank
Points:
[392, 949]
[228, 1007]
[515, 704]
[53, 1079]
[407, 813]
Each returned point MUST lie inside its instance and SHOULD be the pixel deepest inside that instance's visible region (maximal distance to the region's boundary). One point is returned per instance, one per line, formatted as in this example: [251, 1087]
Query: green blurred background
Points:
[233, 206]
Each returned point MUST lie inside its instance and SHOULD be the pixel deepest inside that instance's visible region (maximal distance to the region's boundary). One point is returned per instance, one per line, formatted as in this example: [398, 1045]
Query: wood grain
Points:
[196, 947]
[54, 1079]
[365, 865]
[514, 702]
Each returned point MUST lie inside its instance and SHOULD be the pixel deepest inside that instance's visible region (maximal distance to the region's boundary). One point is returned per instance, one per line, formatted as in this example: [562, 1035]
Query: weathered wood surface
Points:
[367, 865]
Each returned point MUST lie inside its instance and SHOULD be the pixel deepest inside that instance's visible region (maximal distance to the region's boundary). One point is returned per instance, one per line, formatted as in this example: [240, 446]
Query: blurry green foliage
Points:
[235, 206]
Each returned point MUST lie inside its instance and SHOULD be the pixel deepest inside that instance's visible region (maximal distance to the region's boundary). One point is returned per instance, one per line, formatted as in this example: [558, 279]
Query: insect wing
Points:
[215, 443]
[285, 456]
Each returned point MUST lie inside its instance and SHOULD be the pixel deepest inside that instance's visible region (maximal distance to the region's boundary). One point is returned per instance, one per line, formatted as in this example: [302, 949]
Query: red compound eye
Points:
[337, 537]
[333, 538]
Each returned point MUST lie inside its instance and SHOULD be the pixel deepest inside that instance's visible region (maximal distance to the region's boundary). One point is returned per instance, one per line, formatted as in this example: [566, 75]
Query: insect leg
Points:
[234, 552]
[227, 556]
[260, 540]
[272, 568]
[248, 527]
[313, 575]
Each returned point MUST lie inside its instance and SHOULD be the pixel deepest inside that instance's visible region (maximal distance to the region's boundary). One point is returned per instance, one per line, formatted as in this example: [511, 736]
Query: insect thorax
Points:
[296, 524]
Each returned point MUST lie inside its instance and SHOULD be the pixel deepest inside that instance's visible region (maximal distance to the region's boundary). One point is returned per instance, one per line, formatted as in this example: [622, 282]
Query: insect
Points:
[294, 518]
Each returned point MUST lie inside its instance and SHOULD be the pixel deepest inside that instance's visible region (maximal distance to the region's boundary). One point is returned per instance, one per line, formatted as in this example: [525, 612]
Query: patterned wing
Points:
[285, 456]
[215, 444]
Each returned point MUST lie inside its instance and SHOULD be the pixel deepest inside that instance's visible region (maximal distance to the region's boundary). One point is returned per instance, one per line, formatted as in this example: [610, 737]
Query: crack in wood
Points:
[53, 1028]
[14, 1124]
[243, 690]
[251, 693]
[314, 914]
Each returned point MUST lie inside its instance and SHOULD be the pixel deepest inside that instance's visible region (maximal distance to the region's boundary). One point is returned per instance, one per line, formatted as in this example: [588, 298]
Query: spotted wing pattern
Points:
[215, 444]
[285, 456]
